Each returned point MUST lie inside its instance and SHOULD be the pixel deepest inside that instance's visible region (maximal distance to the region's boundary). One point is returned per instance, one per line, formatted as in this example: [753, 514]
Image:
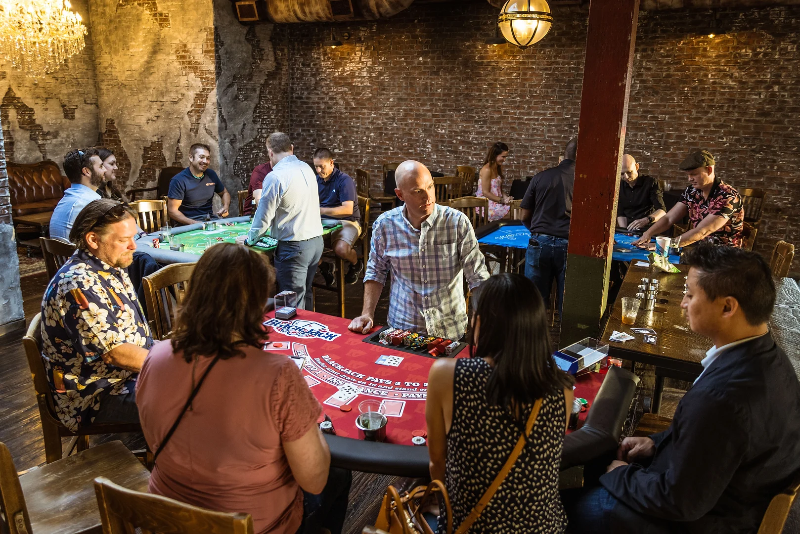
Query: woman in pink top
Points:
[249, 440]
[490, 182]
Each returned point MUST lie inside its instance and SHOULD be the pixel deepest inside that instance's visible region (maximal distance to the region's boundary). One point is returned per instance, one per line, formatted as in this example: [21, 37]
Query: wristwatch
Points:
[651, 218]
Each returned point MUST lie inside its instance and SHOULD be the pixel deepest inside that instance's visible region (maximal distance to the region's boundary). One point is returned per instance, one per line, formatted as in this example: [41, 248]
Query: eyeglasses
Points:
[116, 211]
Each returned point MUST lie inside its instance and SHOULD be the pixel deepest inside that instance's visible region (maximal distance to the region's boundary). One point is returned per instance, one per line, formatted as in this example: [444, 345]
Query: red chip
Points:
[419, 434]
[345, 407]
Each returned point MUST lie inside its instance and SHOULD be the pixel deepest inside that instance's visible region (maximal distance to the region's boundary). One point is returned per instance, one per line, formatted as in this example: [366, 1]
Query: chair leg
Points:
[340, 284]
[52, 442]
[83, 443]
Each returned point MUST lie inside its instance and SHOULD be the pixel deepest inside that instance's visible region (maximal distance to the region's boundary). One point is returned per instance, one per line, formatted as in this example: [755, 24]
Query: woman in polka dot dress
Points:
[477, 409]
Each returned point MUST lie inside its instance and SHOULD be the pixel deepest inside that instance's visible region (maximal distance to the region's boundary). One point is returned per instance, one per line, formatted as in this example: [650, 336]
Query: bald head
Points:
[409, 173]
[415, 188]
[629, 170]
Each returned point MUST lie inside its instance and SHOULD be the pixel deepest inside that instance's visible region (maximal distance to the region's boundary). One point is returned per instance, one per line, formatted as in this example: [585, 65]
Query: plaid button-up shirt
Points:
[428, 268]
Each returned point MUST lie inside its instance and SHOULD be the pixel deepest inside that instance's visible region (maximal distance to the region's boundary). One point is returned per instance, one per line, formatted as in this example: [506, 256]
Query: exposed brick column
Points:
[11, 315]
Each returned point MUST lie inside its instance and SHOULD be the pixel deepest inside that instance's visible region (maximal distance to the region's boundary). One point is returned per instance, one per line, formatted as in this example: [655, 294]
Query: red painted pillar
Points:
[601, 136]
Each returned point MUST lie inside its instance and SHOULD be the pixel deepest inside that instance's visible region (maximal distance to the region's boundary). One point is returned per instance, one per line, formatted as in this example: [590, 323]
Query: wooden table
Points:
[40, 221]
[678, 351]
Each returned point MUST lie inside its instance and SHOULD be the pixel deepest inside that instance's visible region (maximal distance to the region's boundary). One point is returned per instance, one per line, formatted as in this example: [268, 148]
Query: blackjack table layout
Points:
[513, 235]
[343, 369]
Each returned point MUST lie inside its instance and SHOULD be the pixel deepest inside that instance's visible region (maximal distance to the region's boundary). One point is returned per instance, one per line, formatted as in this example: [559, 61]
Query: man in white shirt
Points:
[289, 212]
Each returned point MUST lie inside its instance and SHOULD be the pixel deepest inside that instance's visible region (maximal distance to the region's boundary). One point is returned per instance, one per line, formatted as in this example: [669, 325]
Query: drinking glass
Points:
[630, 308]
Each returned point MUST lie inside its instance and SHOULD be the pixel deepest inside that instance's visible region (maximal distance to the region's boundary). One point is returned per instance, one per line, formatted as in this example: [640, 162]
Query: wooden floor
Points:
[20, 427]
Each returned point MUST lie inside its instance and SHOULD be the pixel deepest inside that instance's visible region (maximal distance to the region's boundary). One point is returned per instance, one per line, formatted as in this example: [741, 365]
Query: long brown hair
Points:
[491, 156]
[227, 298]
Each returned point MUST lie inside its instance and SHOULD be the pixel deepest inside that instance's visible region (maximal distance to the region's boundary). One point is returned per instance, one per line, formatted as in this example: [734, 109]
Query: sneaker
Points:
[326, 270]
[353, 272]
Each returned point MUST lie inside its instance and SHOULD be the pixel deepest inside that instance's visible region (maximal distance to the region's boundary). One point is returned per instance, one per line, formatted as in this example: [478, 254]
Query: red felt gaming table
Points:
[335, 358]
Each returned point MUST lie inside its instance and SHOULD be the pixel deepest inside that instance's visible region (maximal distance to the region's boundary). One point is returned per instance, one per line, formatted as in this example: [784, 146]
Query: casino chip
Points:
[345, 407]
[418, 440]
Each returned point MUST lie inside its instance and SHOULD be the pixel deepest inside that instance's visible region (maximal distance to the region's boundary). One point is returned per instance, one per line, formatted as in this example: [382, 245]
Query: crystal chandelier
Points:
[38, 36]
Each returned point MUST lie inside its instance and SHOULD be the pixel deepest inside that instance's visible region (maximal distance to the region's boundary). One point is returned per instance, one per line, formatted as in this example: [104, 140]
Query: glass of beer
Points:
[630, 308]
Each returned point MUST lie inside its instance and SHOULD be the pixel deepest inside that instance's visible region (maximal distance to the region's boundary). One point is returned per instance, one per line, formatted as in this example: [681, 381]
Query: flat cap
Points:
[701, 158]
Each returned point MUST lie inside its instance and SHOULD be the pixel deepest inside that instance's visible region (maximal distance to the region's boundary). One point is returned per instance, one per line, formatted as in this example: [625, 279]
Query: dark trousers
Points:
[329, 508]
[143, 265]
[546, 259]
[119, 408]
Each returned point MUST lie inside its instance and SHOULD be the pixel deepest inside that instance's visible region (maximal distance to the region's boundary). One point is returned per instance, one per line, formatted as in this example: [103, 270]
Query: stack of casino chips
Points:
[435, 346]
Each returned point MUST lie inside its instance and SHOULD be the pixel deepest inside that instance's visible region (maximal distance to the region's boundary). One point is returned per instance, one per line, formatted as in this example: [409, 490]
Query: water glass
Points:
[630, 308]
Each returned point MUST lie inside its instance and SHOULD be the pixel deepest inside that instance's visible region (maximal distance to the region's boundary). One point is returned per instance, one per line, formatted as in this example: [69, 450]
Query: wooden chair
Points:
[781, 261]
[164, 290]
[162, 185]
[753, 204]
[778, 511]
[476, 208]
[469, 179]
[386, 168]
[125, 511]
[447, 188]
[60, 497]
[56, 253]
[516, 210]
[52, 428]
[242, 196]
[364, 185]
[749, 232]
[363, 207]
[152, 214]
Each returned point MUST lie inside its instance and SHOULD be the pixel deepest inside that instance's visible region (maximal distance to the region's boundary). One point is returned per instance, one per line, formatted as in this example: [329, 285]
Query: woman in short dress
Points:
[490, 183]
[477, 409]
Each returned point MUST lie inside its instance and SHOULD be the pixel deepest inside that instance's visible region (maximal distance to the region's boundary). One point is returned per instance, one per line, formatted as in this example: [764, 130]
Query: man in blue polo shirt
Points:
[191, 191]
[338, 201]
[85, 171]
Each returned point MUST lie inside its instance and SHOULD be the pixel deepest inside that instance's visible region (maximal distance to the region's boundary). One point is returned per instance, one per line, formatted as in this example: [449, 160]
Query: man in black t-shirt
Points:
[546, 212]
[191, 191]
[641, 201]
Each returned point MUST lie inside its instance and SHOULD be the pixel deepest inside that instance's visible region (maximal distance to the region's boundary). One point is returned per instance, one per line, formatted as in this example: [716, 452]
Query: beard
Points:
[97, 179]
[124, 261]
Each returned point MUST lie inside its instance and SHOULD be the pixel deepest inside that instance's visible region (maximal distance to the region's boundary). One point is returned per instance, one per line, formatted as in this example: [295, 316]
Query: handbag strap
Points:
[185, 408]
[501, 476]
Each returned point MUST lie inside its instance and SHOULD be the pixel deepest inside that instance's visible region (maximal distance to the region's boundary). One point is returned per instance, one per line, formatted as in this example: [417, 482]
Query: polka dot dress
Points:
[480, 441]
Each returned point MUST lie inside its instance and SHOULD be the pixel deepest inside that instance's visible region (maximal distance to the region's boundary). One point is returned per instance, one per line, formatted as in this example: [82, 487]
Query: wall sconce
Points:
[333, 42]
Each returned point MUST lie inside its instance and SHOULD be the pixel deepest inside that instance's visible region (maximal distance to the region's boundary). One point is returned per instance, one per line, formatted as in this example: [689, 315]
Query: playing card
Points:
[276, 345]
[392, 361]
[298, 349]
[349, 389]
[340, 398]
[620, 337]
[648, 331]
[311, 381]
[392, 408]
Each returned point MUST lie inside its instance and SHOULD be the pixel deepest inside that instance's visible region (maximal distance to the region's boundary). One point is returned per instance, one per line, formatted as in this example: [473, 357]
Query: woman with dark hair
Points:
[478, 409]
[107, 189]
[490, 182]
[233, 427]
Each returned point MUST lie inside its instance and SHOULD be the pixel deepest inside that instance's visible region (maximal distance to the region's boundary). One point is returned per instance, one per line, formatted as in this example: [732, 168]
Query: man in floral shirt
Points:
[94, 334]
[714, 207]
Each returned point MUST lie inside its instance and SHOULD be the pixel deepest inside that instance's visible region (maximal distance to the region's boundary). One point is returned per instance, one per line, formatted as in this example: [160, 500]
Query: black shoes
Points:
[353, 272]
[326, 270]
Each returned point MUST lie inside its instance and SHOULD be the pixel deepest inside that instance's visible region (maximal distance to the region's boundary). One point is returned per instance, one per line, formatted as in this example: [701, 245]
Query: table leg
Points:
[658, 391]
[340, 284]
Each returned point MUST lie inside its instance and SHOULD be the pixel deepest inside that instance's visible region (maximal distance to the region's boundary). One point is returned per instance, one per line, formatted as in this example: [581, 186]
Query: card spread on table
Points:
[392, 361]
[620, 337]
[311, 381]
[277, 345]
[392, 408]
[648, 331]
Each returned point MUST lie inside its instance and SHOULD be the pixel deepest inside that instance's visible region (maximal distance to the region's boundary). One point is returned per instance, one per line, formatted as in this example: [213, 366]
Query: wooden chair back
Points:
[781, 261]
[386, 168]
[475, 208]
[164, 291]
[749, 232]
[12, 500]
[242, 196]
[447, 188]
[516, 210]
[56, 253]
[124, 511]
[753, 203]
[362, 183]
[469, 179]
[363, 207]
[161, 189]
[152, 214]
[778, 509]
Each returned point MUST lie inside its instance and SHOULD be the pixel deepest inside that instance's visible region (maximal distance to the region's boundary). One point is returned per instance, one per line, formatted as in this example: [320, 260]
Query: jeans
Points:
[545, 259]
[295, 266]
[595, 511]
[329, 508]
[118, 408]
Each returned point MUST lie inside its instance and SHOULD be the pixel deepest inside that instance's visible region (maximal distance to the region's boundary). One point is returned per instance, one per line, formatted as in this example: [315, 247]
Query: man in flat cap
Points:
[714, 207]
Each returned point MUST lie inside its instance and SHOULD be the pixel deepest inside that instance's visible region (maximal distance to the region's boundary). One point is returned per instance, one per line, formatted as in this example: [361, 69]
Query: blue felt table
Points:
[517, 236]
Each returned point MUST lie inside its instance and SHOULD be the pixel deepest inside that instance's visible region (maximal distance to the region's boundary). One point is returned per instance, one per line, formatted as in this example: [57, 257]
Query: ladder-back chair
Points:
[164, 291]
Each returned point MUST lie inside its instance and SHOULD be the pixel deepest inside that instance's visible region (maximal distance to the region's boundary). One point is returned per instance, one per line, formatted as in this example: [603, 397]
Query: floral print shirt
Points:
[89, 308]
[724, 201]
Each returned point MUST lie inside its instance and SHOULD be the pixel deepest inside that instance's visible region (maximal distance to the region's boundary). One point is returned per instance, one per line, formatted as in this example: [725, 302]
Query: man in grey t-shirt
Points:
[289, 212]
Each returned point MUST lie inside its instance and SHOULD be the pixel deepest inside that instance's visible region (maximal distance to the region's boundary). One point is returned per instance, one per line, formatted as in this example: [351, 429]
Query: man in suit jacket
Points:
[734, 442]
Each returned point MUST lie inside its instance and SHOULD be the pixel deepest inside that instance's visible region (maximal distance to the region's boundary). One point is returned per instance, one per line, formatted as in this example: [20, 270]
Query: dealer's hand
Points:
[241, 239]
[633, 449]
[223, 212]
[613, 465]
[642, 242]
[361, 324]
[639, 223]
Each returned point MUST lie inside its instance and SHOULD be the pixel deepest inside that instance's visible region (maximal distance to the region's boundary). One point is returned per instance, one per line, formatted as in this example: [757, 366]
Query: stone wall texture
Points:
[424, 85]
[10, 293]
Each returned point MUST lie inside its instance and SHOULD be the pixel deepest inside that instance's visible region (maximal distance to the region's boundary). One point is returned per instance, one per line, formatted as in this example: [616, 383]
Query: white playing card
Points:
[392, 361]
[340, 398]
[392, 408]
[349, 389]
[311, 381]
[298, 349]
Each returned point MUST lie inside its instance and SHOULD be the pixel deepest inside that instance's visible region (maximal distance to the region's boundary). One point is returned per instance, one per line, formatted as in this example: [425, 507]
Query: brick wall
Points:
[11, 310]
[423, 85]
